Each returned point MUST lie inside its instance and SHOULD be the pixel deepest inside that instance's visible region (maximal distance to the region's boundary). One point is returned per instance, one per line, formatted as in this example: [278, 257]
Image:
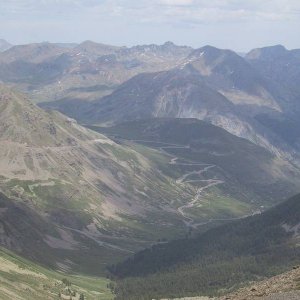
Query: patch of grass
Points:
[216, 205]
[23, 279]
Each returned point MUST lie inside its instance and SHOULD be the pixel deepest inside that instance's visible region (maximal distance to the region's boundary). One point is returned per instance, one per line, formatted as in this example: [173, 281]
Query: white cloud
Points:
[118, 21]
[159, 10]
[177, 2]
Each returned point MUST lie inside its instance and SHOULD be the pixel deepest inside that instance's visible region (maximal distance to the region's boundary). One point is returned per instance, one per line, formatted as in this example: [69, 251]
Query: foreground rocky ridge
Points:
[285, 286]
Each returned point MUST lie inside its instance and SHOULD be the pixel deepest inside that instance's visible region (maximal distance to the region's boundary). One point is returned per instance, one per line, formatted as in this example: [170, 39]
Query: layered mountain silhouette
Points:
[51, 71]
[136, 146]
[210, 84]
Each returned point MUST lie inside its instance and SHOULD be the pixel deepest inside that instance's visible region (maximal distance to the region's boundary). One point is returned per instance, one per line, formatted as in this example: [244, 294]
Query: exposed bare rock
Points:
[284, 286]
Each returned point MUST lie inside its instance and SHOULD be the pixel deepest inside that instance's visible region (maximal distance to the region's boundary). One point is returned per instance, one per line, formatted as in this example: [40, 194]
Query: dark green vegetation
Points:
[223, 257]
[248, 171]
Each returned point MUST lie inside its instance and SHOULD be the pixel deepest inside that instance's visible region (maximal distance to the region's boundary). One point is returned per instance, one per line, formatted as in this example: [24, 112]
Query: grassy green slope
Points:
[23, 279]
[78, 193]
[32, 235]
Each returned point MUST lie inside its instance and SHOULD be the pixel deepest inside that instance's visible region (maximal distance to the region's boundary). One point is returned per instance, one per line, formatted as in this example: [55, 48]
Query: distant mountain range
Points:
[210, 84]
[85, 71]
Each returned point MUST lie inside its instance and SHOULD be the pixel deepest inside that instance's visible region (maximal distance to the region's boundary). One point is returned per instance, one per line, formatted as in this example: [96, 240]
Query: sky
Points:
[235, 24]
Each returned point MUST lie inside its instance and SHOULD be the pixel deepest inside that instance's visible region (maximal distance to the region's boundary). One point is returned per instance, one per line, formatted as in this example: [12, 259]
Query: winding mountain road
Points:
[188, 221]
[200, 169]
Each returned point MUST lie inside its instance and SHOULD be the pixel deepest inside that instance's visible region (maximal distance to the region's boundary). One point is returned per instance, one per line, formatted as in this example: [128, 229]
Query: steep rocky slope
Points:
[282, 67]
[237, 79]
[285, 286]
[179, 93]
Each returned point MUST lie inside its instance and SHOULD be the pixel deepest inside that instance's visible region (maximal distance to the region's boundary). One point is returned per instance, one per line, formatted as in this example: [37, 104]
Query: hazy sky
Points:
[235, 24]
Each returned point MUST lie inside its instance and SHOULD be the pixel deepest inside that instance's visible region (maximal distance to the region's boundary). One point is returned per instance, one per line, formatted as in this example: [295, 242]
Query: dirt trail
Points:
[188, 221]
[200, 169]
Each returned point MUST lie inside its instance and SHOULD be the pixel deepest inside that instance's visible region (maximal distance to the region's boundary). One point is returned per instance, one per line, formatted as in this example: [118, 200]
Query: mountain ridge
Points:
[4, 45]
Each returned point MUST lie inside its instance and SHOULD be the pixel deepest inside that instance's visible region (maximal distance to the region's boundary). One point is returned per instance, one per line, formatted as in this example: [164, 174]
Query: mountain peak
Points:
[4, 45]
[89, 43]
[267, 53]
[96, 48]
[36, 52]
[169, 43]
[210, 53]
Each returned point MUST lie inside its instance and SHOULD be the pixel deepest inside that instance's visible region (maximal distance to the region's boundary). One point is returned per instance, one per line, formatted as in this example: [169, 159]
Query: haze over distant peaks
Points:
[4, 45]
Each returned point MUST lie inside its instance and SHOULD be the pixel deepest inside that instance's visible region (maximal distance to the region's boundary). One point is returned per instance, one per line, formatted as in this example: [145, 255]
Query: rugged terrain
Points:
[75, 187]
[210, 84]
[285, 286]
[101, 84]
[192, 139]
[49, 71]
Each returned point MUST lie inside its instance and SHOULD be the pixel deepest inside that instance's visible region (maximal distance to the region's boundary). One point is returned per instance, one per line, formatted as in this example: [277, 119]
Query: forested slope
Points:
[223, 257]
